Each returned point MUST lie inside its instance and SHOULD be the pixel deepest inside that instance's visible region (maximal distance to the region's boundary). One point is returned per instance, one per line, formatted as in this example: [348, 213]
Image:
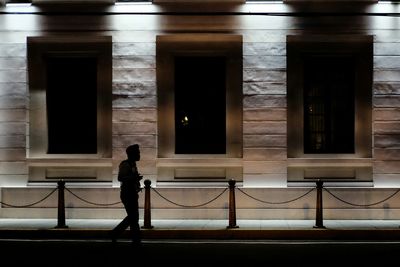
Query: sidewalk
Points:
[206, 229]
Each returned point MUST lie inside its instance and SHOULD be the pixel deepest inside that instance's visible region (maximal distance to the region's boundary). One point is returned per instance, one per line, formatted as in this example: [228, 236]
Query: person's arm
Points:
[125, 172]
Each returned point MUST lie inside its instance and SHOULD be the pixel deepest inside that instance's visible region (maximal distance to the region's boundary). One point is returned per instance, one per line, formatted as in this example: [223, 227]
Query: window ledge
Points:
[199, 162]
[329, 161]
[84, 2]
[195, 184]
[69, 162]
[332, 183]
[71, 183]
[330, 1]
[199, 1]
[338, 170]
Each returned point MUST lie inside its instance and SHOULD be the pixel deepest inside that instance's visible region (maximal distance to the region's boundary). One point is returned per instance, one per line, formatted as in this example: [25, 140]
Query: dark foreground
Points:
[244, 253]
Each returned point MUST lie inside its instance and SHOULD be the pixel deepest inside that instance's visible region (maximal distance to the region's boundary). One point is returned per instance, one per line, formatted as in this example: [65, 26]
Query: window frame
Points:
[96, 46]
[189, 169]
[169, 46]
[339, 169]
[361, 47]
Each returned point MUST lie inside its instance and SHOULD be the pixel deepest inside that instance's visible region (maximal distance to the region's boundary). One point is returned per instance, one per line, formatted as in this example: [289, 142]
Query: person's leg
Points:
[133, 215]
[135, 228]
[117, 231]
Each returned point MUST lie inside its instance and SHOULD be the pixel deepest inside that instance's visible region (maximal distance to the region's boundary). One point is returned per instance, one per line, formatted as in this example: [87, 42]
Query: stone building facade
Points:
[270, 53]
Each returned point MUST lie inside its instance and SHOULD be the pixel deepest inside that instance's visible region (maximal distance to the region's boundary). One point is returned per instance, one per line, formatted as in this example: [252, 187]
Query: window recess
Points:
[199, 82]
[329, 87]
[70, 81]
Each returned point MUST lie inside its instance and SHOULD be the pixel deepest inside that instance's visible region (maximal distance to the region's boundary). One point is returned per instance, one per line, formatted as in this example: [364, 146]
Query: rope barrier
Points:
[283, 202]
[189, 206]
[29, 205]
[206, 203]
[89, 202]
[363, 205]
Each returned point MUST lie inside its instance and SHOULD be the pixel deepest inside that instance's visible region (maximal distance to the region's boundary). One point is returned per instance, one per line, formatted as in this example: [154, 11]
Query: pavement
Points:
[205, 229]
[86, 242]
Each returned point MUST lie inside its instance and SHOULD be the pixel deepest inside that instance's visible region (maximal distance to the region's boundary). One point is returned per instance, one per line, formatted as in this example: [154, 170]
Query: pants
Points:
[131, 204]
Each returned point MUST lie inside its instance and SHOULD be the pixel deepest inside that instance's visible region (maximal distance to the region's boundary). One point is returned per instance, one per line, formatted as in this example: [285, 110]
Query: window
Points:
[329, 104]
[200, 105]
[17, 1]
[72, 129]
[70, 94]
[70, 81]
[199, 93]
[199, 76]
[329, 94]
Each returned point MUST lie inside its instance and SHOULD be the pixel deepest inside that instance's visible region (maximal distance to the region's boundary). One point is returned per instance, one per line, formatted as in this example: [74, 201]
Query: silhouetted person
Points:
[129, 178]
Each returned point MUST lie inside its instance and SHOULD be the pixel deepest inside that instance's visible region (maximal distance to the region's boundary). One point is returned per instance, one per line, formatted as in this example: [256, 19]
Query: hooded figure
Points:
[129, 178]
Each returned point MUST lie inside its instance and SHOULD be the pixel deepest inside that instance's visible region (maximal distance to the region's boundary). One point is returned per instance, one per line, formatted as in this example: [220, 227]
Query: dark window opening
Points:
[200, 105]
[18, 1]
[71, 99]
[128, 1]
[329, 104]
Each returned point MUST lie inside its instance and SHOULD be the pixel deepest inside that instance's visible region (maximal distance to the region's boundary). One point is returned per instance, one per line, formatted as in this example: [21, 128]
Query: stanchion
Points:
[147, 206]
[61, 205]
[232, 205]
[319, 217]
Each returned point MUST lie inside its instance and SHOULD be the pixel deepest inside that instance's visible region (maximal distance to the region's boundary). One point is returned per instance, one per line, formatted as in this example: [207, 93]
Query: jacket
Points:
[129, 176]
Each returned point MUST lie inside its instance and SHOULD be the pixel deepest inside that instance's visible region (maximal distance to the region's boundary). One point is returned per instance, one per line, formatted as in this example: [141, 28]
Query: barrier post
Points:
[61, 205]
[232, 204]
[319, 217]
[147, 206]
